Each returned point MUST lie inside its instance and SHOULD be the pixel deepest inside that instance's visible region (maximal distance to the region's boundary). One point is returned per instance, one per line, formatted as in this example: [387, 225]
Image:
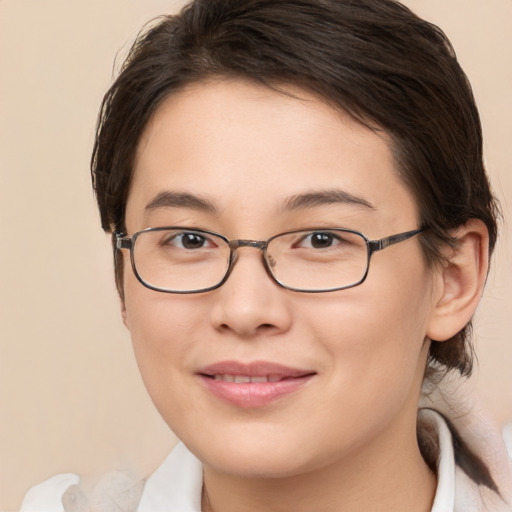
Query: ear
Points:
[459, 281]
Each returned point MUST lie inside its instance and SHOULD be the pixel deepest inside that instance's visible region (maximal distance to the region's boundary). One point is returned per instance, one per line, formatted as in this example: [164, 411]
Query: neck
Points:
[391, 476]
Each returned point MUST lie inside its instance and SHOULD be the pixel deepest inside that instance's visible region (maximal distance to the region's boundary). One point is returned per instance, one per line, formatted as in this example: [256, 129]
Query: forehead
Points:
[249, 148]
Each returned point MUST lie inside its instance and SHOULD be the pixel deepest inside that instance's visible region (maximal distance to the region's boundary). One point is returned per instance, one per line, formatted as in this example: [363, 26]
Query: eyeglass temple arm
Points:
[121, 242]
[378, 245]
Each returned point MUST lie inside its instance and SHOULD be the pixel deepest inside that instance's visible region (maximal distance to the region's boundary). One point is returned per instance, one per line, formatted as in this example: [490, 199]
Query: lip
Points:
[284, 380]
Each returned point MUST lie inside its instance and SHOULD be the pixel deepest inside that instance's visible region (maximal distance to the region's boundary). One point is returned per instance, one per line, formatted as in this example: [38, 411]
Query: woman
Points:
[301, 225]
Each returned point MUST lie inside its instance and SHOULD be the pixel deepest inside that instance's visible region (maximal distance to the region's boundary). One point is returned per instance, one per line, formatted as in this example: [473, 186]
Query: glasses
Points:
[184, 260]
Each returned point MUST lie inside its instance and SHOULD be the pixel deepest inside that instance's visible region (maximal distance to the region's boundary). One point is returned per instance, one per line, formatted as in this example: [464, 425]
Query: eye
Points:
[319, 240]
[189, 241]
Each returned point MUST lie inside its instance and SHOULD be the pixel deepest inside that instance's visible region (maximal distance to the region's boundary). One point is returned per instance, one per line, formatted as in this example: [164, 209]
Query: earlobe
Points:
[460, 281]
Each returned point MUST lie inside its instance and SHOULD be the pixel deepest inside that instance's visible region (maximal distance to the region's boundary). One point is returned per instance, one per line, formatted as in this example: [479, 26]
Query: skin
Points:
[347, 439]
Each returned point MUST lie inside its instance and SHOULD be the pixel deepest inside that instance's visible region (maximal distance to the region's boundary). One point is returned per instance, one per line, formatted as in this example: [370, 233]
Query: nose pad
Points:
[250, 302]
[269, 262]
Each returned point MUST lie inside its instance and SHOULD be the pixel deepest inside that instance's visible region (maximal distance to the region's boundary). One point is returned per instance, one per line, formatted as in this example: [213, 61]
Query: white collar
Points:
[175, 485]
[444, 500]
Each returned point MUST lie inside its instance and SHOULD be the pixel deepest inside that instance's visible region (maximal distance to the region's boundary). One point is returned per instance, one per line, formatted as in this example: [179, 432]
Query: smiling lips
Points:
[252, 385]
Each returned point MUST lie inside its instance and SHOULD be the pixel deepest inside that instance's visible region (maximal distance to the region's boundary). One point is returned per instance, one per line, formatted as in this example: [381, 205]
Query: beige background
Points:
[70, 395]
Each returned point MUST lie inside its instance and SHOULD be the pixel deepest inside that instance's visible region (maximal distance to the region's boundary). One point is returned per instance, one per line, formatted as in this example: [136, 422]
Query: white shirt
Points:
[176, 485]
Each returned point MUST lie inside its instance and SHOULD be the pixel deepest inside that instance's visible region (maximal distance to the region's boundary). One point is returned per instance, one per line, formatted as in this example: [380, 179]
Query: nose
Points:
[250, 302]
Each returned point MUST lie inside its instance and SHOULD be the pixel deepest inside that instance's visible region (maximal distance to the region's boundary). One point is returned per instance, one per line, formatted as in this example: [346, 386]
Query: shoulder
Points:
[175, 485]
[457, 490]
[47, 496]
[467, 434]
[63, 493]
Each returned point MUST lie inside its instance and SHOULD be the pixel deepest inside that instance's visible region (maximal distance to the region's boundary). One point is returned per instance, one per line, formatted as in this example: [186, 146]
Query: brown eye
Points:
[189, 241]
[192, 241]
[318, 240]
[321, 240]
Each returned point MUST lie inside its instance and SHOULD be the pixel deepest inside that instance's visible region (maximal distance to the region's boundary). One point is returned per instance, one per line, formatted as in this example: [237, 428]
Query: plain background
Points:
[70, 395]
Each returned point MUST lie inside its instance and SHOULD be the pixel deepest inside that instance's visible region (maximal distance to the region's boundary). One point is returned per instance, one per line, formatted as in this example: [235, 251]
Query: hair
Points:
[374, 59]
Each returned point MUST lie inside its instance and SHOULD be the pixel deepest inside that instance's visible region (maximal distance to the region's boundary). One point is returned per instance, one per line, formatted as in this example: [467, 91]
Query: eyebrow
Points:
[170, 199]
[324, 197]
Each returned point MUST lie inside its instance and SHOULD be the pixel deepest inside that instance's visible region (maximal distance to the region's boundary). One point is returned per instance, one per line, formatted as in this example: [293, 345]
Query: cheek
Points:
[374, 364]
[162, 330]
[162, 327]
[375, 340]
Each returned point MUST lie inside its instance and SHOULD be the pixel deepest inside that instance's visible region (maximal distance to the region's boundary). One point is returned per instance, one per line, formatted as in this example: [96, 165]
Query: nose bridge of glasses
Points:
[257, 244]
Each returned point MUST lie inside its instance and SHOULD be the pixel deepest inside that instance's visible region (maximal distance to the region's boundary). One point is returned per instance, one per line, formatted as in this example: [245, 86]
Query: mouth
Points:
[243, 379]
[255, 384]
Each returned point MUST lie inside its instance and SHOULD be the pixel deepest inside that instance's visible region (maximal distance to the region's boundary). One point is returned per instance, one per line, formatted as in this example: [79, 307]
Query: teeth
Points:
[244, 379]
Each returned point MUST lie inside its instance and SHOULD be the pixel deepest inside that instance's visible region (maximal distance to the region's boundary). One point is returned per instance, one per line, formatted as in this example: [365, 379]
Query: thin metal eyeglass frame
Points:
[372, 246]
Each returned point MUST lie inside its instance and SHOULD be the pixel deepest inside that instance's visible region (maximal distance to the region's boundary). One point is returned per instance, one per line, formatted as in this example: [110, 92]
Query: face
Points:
[348, 364]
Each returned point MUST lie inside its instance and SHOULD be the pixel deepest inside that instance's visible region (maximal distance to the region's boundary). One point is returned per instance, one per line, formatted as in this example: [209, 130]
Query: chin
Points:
[266, 452]
[241, 464]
